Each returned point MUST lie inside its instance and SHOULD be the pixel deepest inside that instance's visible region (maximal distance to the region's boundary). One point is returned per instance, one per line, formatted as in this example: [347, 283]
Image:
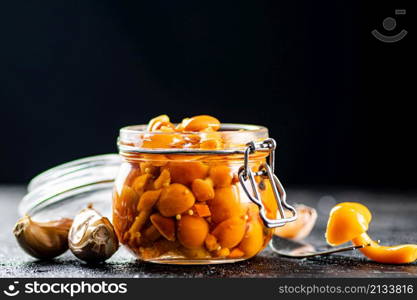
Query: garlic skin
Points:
[42, 240]
[300, 228]
[92, 237]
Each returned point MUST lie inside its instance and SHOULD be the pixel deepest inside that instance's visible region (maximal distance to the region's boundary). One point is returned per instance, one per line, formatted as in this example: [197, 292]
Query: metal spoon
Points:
[295, 249]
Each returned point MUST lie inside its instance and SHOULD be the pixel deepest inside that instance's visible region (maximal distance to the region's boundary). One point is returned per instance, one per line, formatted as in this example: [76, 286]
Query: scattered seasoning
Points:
[262, 185]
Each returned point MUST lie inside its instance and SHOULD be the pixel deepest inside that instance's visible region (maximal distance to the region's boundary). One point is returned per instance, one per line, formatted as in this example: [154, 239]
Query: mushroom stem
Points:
[401, 254]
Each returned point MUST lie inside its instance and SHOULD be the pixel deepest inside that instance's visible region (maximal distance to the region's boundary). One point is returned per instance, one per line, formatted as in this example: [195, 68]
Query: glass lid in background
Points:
[64, 190]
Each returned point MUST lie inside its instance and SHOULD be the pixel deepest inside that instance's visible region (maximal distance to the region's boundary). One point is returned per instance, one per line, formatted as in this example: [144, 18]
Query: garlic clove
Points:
[92, 237]
[42, 240]
[300, 228]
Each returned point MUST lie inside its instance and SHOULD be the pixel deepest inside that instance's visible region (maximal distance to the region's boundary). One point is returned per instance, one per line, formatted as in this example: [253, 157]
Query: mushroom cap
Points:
[347, 220]
[164, 225]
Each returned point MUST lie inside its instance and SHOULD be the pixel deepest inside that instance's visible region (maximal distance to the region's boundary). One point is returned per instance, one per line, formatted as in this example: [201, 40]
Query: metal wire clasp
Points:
[266, 171]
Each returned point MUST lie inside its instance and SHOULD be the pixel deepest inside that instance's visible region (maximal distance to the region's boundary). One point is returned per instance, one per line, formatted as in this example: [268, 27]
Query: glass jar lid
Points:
[64, 190]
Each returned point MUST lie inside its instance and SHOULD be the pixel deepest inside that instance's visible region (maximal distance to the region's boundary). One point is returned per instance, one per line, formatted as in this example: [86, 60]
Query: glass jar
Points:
[189, 205]
[64, 190]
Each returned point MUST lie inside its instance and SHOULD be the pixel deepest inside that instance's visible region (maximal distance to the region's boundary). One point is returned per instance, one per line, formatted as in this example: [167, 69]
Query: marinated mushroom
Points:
[186, 172]
[158, 122]
[225, 204]
[221, 176]
[199, 123]
[350, 221]
[192, 231]
[253, 240]
[175, 199]
[203, 189]
[346, 221]
[230, 232]
[124, 208]
[165, 226]
[163, 180]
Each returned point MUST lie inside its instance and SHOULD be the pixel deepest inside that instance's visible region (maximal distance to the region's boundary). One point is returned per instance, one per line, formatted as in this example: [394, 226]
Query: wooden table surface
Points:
[394, 221]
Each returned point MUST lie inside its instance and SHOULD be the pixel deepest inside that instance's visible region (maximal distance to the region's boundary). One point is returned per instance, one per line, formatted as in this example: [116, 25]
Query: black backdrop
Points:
[338, 101]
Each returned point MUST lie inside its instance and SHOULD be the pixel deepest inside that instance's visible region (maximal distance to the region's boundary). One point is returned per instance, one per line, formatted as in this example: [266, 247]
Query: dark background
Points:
[338, 101]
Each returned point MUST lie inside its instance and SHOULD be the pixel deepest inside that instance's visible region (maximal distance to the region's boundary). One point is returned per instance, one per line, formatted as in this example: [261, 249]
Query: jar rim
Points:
[235, 128]
[236, 137]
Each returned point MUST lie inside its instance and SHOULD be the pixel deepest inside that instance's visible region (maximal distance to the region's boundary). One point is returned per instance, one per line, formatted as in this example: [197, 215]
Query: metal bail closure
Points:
[266, 171]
